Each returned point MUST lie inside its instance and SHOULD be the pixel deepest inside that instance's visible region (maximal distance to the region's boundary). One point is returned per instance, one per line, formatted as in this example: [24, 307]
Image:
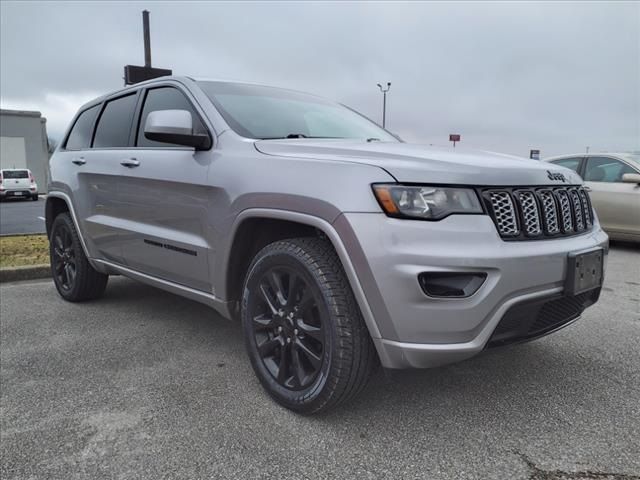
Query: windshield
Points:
[255, 111]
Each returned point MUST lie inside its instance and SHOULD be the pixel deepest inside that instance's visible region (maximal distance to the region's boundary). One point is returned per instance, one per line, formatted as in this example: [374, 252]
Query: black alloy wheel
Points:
[305, 336]
[63, 259]
[288, 328]
[73, 275]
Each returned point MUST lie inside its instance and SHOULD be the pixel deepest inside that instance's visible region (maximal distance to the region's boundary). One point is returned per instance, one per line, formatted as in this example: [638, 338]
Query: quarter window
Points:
[80, 136]
[572, 163]
[166, 98]
[606, 169]
[114, 125]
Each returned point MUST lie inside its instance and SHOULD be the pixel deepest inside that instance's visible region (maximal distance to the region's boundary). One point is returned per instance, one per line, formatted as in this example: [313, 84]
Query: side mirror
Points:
[174, 126]
[631, 178]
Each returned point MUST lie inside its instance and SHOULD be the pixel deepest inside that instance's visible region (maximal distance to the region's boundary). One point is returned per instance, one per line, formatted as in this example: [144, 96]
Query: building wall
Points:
[31, 128]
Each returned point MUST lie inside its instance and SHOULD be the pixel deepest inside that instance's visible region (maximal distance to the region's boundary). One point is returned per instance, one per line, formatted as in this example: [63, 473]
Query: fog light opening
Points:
[451, 284]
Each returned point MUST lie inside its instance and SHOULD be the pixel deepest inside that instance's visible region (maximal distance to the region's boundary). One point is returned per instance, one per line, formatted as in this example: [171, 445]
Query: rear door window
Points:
[80, 135]
[114, 125]
[166, 98]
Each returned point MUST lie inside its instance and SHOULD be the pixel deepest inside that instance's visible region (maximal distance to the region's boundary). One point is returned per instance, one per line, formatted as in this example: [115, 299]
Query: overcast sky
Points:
[506, 76]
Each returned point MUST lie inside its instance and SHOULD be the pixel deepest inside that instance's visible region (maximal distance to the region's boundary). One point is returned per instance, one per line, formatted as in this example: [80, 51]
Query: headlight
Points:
[427, 203]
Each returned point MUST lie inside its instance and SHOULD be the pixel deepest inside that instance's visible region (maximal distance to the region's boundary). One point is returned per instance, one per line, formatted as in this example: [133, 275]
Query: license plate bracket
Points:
[584, 271]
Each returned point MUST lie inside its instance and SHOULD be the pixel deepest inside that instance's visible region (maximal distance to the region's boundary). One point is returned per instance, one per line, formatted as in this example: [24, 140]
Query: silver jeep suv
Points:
[336, 245]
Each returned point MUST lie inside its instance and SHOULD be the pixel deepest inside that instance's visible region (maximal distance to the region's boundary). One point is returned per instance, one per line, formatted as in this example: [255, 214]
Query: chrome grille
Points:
[505, 213]
[529, 213]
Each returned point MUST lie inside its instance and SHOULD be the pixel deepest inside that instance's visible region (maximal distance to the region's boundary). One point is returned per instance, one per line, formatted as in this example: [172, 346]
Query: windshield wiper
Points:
[293, 135]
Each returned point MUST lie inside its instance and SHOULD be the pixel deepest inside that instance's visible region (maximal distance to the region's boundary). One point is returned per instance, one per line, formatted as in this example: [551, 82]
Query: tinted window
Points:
[115, 123]
[606, 169]
[166, 98]
[80, 136]
[572, 163]
[9, 174]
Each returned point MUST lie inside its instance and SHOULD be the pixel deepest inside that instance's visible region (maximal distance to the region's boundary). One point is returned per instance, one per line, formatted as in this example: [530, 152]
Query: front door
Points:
[163, 199]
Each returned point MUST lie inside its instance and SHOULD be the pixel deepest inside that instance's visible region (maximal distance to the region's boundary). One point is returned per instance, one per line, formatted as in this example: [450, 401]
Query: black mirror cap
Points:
[199, 141]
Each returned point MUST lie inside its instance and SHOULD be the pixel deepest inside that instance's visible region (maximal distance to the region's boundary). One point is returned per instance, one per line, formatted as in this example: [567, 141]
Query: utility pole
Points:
[147, 38]
[384, 102]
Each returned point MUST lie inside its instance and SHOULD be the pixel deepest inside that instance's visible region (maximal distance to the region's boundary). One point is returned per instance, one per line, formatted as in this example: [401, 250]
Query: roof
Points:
[20, 113]
[630, 156]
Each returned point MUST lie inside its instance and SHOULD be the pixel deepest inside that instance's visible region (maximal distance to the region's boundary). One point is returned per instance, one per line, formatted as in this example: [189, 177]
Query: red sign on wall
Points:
[454, 137]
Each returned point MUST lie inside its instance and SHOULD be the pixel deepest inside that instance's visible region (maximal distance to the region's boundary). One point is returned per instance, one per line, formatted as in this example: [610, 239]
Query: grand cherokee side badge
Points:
[556, 176]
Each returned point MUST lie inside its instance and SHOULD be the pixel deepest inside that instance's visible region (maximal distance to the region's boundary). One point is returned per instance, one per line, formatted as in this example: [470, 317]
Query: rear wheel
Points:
[304, 333]
[34, 198]
[75, 279]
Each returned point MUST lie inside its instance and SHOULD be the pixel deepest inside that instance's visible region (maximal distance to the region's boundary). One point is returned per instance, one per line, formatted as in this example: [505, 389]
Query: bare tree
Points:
[52, 144]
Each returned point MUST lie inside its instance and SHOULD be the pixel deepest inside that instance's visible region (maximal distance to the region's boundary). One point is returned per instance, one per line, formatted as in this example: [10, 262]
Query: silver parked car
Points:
[334, 243]
[613, 182]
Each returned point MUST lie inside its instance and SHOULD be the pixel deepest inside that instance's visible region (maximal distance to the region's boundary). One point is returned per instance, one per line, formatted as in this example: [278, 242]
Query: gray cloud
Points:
[507, 76]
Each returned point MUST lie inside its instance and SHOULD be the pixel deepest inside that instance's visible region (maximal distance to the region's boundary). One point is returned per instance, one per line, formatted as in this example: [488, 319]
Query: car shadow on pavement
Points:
[526, 379]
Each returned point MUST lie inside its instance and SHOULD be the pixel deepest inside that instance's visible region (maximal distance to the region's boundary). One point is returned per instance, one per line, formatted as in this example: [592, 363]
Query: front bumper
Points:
[420, 331]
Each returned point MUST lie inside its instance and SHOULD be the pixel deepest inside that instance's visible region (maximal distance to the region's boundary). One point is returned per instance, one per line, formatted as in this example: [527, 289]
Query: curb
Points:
[32, 272]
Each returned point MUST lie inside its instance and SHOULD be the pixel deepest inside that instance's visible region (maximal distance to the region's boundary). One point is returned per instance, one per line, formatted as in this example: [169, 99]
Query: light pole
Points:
[384, 102]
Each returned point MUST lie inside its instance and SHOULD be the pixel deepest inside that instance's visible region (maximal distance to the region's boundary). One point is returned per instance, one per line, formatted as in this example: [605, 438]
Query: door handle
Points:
[130, 163]
[79, 161]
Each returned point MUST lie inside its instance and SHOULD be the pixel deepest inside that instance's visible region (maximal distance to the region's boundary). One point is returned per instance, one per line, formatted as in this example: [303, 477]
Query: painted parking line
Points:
[41, 218]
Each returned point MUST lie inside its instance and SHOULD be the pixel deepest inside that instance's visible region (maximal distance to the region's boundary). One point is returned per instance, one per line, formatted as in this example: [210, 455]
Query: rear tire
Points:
[73, 275]
[34, 198]
[304, 333]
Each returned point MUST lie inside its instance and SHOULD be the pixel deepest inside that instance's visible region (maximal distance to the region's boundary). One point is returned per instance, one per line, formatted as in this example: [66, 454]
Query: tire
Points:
[329, 355]
[73, 275]
[34, 198]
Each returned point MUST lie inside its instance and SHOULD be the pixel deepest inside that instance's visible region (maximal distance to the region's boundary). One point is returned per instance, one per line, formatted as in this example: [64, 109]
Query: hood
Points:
[411, 163]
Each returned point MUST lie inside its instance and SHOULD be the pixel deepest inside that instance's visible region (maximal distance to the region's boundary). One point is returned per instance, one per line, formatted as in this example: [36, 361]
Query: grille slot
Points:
[530, 213]
[537, 213]
[550, 210]
[504, 213]
[576, 206]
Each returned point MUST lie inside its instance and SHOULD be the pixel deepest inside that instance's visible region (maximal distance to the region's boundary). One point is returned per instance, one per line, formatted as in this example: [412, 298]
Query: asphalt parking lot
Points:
[144, 384]
[18, 216]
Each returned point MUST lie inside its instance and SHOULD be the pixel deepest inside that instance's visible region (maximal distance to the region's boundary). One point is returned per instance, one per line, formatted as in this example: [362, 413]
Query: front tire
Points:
[303, 330]
[73, 275]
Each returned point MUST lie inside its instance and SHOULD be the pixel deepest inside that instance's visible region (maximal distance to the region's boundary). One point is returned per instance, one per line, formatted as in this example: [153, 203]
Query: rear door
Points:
[616, 203]
[100, 137]
[86, 179]
[163, 198]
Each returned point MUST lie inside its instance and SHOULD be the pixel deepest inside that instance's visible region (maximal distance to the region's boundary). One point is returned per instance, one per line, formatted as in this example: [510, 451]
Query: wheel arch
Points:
[278, 225]
[57, 203]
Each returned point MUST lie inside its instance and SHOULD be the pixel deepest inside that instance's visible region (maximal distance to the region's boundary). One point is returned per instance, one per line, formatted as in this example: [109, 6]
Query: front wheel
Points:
[73, 275]
[303, 330]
